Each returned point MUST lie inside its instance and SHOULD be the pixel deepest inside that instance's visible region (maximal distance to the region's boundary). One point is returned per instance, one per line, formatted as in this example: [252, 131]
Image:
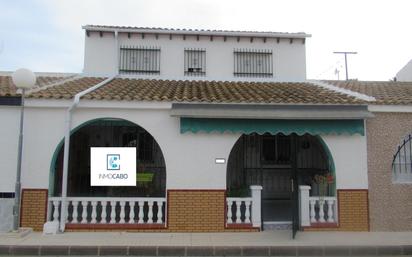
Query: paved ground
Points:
[266, 243]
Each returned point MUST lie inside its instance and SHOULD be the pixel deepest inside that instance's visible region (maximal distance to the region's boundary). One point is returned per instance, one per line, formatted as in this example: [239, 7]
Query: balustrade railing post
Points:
[150, 212]
[75, 212]
[229, 211]
[312, 210]
[56, 204]
[304, 211]
[256, 192]
[321, 211]
[141, 214]
[94, 213]
[84, 211]
[247, 211]
[159, 212]
[122, 212]
[113, 212]
[103, 216]
[131, 213]
[330, 203]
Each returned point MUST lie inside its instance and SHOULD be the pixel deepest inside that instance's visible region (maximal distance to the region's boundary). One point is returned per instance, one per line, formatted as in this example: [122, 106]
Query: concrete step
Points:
[277, 225]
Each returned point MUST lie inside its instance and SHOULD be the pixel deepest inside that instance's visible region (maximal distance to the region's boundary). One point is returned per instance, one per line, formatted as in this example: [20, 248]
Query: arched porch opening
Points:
[110, 132]
[109, 206]
[266, 160]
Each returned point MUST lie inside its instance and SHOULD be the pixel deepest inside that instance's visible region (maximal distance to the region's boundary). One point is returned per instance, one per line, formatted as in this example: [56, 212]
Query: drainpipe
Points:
[69, 113]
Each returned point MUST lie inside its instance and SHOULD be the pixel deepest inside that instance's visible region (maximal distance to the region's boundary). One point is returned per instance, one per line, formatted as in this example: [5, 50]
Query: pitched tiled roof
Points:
[7, 88]
[199, 91]
[385, 92]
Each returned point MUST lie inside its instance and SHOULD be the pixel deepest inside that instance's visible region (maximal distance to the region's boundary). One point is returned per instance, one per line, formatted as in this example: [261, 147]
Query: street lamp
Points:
[22, 79]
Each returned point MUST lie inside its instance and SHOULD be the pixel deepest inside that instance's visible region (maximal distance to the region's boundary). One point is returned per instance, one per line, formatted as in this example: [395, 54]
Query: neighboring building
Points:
[405, 74]
[389, 139]
[229, 136]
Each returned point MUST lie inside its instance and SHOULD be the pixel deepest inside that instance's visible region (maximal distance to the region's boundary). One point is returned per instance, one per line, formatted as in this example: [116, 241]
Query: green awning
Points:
[259, 126]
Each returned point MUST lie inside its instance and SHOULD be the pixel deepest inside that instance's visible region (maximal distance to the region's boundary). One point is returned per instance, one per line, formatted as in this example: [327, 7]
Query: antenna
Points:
[346, 61]
[337, 72]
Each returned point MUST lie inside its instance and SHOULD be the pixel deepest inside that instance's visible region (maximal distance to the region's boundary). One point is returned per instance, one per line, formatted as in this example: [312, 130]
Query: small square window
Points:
[195, 62]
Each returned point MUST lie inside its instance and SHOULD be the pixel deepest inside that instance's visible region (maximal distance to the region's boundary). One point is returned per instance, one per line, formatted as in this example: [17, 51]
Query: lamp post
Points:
[22, 79]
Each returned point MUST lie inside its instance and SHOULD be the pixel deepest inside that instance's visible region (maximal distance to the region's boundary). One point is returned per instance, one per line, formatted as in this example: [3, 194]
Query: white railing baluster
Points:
[140, 217]
[238, 214]
[104, 212]
[321, 210]
[56, 210]
[113, 212]
[75, 212]
[122, 214]
[150, 212]
[229, 211]
[247, 211]
[312, 211]
[84, 212]
[131, 213]
[159, 212]
[330, 210]
[94, 214]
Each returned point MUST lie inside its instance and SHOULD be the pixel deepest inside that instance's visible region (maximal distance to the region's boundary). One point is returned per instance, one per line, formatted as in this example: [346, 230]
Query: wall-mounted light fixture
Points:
[220, 160]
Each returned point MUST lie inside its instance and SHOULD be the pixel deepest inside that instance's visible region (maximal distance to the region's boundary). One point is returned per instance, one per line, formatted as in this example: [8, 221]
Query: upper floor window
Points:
[139, 60]
[195, 62]
[253, 63]
[402, 162]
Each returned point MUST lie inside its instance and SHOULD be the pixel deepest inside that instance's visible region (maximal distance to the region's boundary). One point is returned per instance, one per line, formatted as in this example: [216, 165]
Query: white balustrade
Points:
[238, 210]
[245, 210]
[95, 210]
[316, 209]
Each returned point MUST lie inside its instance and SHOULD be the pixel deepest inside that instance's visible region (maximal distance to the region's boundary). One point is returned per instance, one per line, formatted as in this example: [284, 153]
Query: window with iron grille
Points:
[139, 60]
[253, 63]
[402, 162]
[195, 62]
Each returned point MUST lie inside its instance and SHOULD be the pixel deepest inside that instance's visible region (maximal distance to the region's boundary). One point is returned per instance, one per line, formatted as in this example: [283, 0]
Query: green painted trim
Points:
[259, 126]
[61, 143]
[331, 162]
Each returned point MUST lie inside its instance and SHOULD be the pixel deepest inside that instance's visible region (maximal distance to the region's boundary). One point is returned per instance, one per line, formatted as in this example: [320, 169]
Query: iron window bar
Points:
[402, 161]
[195, 62]
[139, 60]
[253, 62]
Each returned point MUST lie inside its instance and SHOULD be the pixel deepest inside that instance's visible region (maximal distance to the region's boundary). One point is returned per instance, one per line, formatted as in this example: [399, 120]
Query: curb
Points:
[206, 250]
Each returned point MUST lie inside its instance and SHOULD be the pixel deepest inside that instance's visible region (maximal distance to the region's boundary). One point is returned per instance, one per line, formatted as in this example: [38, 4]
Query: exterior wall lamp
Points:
[22, 79]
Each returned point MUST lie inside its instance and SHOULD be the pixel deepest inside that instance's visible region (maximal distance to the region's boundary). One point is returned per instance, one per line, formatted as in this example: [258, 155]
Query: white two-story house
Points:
[228, 136]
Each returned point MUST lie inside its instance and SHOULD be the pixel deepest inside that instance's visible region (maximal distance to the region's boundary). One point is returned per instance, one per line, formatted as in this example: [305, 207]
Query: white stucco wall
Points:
[289, 60]
[350, 158]
[190, 158]
[9, 137]
[405, 74]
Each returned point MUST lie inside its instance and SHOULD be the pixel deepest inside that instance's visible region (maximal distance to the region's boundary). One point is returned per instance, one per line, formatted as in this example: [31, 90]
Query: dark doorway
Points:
[267, 160]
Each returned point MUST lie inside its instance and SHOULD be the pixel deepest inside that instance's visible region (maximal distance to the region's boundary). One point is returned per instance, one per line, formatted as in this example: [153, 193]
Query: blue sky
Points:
[46, 35]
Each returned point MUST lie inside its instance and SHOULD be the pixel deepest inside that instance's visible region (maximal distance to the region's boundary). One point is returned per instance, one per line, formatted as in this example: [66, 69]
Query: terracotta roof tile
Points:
[385, 92]
[66, 90]
[219, 92]
[7, 88]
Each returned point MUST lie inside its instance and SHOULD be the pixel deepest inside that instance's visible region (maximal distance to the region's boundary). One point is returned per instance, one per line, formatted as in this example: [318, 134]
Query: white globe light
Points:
[24, 78]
